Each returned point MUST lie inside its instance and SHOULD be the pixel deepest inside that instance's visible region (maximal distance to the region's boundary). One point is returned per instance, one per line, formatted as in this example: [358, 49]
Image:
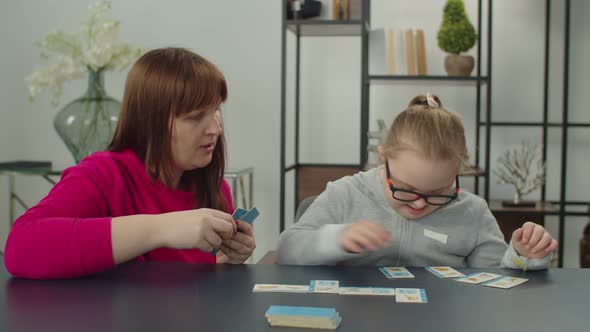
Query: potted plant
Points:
[456, 35]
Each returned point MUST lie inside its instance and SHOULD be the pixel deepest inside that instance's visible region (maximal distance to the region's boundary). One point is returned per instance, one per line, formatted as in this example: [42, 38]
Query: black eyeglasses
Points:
[405, 195]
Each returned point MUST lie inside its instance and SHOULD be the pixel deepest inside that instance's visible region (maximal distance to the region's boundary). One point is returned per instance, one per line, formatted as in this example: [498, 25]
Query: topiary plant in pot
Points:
[456, 35]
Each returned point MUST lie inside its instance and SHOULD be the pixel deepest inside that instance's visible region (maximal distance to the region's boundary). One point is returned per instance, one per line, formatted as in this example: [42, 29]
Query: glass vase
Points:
[88, 123]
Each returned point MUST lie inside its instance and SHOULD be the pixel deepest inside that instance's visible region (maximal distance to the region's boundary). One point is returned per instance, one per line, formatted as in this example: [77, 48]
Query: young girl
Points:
[411, 211]
[158, 192]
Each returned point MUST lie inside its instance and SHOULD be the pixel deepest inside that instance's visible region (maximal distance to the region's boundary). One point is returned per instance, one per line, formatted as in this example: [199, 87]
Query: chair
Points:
[585, 247]
[302, 207]
[271, 256]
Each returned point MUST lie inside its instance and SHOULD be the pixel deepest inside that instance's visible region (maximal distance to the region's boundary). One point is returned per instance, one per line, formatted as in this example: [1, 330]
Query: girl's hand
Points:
[237, 249]
[363, 236]
[533, 241]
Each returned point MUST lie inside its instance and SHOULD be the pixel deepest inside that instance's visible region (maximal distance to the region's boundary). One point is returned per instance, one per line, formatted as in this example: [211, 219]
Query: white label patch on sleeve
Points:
[436, 236]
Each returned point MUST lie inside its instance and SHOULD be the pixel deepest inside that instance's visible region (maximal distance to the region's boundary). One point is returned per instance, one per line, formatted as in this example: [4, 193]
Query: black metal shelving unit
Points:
[561, 208]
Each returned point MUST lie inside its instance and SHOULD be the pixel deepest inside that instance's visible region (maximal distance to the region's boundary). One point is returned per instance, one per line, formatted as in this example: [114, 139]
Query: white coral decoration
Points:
[522, 167]
[94, 47]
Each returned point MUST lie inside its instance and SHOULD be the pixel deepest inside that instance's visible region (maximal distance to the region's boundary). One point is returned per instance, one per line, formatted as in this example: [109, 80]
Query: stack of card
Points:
[245, 215]
[308, 317]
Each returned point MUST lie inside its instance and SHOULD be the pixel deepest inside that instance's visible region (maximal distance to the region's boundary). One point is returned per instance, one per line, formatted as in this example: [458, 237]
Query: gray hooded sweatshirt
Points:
[463, 233]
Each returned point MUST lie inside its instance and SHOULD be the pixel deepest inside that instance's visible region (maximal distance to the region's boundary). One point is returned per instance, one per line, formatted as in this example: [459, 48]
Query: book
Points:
[420, 52]
[410, 52]
[381, 60]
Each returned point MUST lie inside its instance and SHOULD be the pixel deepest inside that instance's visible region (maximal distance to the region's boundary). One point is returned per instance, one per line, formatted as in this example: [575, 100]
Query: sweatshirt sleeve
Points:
[67, 234]
[492, 251]
[314, 239]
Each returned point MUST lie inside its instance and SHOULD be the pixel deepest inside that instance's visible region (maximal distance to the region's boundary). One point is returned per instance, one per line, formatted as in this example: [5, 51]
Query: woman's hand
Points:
[204, 229]
[237, 249]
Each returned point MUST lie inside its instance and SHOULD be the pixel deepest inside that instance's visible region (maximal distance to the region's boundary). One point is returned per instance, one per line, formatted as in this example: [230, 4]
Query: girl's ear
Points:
[381, 152]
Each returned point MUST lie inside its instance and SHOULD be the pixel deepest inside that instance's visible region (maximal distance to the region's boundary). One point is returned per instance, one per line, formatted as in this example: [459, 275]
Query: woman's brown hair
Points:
[428, 128]
[162, 84]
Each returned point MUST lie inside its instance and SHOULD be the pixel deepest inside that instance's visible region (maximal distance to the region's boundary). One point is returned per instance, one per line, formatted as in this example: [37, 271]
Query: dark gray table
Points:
[181, 297]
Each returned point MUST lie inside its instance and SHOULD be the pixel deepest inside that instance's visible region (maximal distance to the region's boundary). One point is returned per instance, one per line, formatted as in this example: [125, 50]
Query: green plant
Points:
[456, 33]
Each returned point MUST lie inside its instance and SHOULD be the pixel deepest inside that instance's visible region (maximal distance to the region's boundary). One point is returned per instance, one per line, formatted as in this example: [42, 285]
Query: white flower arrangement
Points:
[94, 48]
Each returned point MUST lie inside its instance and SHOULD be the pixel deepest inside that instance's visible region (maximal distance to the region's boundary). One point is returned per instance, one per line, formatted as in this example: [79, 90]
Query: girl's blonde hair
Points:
[428, 128]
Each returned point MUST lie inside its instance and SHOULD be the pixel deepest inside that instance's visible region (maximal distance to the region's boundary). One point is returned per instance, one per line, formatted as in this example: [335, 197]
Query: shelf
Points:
[439, 79]
[325, 28]
[532, 124]
[543, 208]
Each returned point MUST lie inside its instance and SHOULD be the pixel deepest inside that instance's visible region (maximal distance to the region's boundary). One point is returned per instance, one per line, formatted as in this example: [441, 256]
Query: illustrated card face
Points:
[279, 288]
[374, 291]
[444, 272]
[410, 295]
[324, 286]
[505, 282]
[478, 278]
[395, 272]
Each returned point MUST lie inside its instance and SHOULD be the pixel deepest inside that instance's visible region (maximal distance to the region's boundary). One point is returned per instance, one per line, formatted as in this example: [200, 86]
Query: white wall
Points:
[243, 39]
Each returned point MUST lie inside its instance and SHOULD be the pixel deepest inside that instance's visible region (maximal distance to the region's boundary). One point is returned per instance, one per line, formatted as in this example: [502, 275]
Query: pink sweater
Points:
[68, 234]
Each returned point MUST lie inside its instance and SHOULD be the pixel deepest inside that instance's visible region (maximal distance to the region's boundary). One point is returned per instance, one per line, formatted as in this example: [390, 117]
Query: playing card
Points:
[478, 278]
[505, 282]
[377, 291]
[395, 272]
[238, 213]
[278, 288]
[444, 272]
[324, 286]
[249, 216]
[410, 295]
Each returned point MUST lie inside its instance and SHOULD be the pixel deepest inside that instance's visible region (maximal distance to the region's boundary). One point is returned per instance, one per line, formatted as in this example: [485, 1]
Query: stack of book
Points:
[307, 317]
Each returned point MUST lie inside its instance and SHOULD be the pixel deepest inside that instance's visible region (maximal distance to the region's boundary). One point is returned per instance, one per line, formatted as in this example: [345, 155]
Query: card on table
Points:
[324, 286]
[410, 295]
[278, 288]
[444, 272]
[505, 282]
[376, 291]
[395, 272]
[478, 278]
